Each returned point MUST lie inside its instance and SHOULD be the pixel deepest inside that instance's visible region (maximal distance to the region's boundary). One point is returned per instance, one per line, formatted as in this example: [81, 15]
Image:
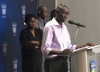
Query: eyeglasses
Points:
[45, 11]
[65, 13]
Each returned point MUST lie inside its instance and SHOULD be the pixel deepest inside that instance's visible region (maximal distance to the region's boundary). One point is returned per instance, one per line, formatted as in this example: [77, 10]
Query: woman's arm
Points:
[24, 41]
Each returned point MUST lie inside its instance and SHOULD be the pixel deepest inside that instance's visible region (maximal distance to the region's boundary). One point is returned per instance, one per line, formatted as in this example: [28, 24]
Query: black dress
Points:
[31, 57]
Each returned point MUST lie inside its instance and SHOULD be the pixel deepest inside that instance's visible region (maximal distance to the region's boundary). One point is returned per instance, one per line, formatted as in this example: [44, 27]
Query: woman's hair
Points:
[28, 17]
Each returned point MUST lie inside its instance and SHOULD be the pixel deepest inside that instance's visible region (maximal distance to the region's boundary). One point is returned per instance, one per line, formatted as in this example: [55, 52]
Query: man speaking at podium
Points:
[56, 42]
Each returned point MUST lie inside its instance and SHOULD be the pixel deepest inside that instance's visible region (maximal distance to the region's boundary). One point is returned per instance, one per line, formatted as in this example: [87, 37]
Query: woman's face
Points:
[32, 23]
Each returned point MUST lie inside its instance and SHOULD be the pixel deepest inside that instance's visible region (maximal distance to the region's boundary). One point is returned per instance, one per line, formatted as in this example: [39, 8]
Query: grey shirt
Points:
[40, 23]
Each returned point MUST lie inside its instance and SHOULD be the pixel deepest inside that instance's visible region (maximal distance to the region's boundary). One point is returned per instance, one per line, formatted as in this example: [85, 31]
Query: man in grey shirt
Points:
[42, 15]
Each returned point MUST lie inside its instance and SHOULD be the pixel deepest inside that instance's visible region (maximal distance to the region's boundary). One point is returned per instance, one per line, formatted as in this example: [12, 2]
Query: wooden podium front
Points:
[81, 59]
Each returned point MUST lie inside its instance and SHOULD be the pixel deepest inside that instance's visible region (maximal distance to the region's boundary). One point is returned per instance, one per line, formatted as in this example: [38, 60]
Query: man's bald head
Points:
[42, 12]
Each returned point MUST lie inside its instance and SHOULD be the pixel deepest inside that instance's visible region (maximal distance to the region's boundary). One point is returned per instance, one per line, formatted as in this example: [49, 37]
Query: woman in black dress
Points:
[30, 39]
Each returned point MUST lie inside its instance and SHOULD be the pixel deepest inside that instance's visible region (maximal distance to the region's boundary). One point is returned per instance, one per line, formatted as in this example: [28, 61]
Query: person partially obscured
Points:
[42, 16]
[53, 13]
[30, 39]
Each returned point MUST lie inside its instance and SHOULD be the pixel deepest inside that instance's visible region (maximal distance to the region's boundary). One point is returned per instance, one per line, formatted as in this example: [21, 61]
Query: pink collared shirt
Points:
[55, 37]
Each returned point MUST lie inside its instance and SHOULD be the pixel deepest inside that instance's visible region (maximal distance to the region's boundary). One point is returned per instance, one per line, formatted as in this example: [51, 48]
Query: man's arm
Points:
[66, 51]
[87, 44]
[24, 41]
[47, 40]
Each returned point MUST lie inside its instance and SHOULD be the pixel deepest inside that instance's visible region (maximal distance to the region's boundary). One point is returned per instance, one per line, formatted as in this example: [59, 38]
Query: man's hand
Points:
[80, 46]
[65, 51]
[89, 44]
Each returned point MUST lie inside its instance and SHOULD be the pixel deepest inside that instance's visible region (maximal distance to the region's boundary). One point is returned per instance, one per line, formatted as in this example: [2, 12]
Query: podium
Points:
[81, 59]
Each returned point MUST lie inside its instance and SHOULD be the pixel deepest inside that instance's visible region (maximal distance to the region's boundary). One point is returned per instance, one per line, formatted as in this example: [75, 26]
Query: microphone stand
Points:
[69, 55]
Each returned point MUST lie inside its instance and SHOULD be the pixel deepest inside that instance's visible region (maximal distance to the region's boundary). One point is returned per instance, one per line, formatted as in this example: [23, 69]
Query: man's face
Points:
[63, 14]
[44, 12]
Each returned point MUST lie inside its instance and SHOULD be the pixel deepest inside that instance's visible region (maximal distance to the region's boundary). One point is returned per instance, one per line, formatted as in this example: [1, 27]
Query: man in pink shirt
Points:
[56, 41]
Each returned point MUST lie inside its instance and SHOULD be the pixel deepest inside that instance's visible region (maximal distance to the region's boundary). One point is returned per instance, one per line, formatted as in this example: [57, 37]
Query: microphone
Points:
[77, 24]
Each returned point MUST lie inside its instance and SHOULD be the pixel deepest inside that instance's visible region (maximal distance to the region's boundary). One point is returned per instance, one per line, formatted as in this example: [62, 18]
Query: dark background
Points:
[13, 14]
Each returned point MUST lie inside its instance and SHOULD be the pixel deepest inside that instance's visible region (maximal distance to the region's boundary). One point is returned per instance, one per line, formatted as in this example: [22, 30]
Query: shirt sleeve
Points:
[47, 40]
[73, 48]
[69, 45]
[24, 41]
[37, 24]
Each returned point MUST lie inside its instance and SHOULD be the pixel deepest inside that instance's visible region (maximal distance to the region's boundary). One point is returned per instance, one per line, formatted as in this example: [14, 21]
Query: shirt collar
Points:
[56, 23]
[40, 19]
